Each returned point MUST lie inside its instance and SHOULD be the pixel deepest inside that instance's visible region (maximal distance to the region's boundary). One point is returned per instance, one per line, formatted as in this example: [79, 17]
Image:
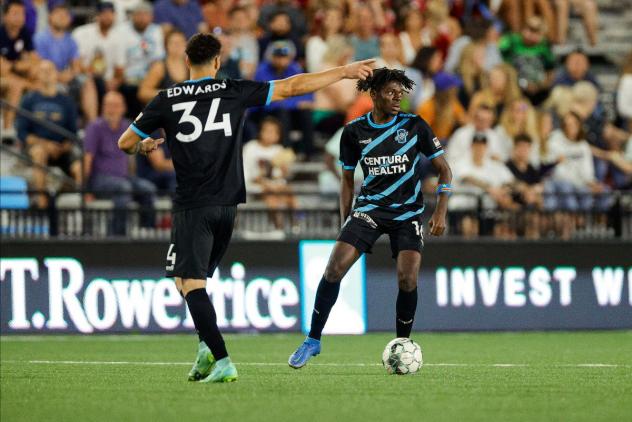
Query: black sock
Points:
[405, 312]
[205, 321]
[198, 333]
[326, 296]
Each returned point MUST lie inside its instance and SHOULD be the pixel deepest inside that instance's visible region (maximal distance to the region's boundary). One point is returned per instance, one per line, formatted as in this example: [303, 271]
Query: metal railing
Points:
[69, 216]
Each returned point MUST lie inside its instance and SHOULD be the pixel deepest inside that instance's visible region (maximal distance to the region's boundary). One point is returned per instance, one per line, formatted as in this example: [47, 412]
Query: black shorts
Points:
[199, 239]
[362, 231]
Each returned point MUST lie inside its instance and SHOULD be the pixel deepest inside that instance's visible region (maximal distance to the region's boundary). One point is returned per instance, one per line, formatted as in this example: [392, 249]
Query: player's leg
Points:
[406, 245]
[341, 259]
[408, 263]
[221, 221]
[356, 237]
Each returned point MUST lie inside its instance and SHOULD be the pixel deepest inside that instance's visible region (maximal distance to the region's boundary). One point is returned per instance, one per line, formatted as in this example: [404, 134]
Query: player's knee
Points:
[334, 273]
[406, 282]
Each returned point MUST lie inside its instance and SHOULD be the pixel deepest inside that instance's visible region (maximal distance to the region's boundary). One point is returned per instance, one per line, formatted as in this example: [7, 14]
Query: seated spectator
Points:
[557, 105]
[46, 147]
[331, 103]
[17, 59]
[573, 180]
[500, 87]
[143, 44]
[624, 92]
[476, 31]
[106, 167]
[171, 70]
[461, 141]
[295, 15]
[183, 15]
[57, 45]
[428, 63]
[244, 41]
[330, 26]
[443, 112]
[414, 35]
[266, 168]
[390, 57]
[576, 69]
[600, 133]
[295, 112]
[518, 118]
[280, 29]
[365, 43]
[157, 168]
[471, 70]
[124, 8]
[531, 55]
[229, 56]
[101, 48]
[216, 13]
[528, 186]
[587, 9]
[477, 174]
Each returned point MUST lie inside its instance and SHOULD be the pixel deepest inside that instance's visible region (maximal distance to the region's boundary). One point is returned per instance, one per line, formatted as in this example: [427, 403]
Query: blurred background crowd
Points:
[532, 100]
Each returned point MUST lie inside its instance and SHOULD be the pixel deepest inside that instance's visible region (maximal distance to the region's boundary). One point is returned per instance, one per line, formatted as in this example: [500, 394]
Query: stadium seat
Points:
[13, 193]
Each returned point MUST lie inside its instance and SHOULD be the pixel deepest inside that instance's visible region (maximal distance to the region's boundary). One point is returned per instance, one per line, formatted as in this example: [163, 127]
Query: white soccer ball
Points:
[402, 356]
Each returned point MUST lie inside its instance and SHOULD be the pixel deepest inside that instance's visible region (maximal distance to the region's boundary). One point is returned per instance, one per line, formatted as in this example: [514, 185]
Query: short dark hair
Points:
[202, 48]
[382, 76]
[7, 5]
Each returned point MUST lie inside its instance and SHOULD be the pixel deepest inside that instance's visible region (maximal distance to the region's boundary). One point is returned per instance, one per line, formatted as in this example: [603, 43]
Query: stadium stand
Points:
[307, 204]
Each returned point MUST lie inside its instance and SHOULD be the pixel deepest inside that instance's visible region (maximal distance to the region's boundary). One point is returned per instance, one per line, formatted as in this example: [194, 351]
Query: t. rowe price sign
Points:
[119, 287]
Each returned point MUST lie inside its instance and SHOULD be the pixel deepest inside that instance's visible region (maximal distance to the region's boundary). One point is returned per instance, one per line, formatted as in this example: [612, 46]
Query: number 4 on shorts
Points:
[171, 257]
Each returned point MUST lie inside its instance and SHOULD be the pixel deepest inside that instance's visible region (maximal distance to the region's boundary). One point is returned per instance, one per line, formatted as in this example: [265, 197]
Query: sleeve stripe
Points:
[138, 131]
[270, 92]
[436, 154]
[346, 167]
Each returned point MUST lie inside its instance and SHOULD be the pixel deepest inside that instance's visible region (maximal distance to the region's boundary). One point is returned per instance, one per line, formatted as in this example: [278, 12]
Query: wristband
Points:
[444, 188]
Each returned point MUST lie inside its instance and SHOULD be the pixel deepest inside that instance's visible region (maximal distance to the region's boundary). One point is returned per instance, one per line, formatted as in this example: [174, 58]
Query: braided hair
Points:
[381, 77]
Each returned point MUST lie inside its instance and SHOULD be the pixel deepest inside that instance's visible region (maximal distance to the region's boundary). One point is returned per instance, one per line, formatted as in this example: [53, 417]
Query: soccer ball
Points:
[402, 356]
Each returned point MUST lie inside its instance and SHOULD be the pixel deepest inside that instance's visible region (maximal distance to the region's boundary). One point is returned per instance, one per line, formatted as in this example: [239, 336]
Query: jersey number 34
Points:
[211, 124]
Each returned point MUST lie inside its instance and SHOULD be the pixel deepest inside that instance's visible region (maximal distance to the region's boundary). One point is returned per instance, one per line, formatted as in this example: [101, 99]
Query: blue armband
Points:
[444, 188]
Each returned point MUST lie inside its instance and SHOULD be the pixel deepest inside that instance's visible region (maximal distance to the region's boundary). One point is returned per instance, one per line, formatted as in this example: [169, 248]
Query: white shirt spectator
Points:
[315, 50]
[100, 53]
[577, 168]
[122, 8]
[461, 141]
[407, 45]
[140, 50]
[255, 156]
[491, 172]
[624, 96]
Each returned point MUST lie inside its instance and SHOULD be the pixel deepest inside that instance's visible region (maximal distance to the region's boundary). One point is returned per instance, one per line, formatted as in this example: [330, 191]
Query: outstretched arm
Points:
[131, 143]
[310, 82]
[437, 221]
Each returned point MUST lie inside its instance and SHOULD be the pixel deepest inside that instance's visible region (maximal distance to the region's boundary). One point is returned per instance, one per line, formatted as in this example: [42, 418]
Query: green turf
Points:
[552, 384]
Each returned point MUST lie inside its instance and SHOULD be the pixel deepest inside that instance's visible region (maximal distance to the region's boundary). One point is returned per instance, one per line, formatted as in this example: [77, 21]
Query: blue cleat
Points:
[309, 348]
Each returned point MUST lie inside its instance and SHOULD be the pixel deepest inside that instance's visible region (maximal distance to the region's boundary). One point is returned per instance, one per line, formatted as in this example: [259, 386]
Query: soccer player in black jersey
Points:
[203, 121]
[388, 145]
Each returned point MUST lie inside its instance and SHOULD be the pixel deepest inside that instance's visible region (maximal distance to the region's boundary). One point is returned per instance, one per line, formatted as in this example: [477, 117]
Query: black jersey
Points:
[203, 123]
[390, 155]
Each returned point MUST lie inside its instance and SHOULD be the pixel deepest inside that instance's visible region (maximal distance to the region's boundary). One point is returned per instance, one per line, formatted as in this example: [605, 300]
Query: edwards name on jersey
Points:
[390, 156]
[203, 122]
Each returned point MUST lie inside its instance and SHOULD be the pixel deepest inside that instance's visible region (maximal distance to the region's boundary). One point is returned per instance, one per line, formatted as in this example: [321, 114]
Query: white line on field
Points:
[489, 365]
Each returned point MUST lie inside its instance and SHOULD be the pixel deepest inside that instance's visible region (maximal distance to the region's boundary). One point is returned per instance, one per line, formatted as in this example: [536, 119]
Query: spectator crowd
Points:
[523, 128]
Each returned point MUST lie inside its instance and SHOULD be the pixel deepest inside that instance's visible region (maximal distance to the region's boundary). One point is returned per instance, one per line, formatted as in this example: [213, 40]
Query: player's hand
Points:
[437, 224]
[148, 145]
[359, 70]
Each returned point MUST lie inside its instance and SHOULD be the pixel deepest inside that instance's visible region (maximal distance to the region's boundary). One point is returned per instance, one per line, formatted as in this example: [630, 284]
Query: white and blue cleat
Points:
[310, 347]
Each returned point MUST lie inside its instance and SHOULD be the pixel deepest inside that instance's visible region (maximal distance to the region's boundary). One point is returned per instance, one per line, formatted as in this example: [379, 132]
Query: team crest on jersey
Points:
[401, 136]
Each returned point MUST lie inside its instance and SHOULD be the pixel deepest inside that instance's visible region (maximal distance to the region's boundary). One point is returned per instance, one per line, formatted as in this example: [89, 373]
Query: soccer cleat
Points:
[309, 348]
[224, 371]
[203, 363]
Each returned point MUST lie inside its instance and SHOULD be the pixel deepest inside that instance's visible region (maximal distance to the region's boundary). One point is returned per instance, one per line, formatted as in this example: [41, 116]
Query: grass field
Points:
[495, 376]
